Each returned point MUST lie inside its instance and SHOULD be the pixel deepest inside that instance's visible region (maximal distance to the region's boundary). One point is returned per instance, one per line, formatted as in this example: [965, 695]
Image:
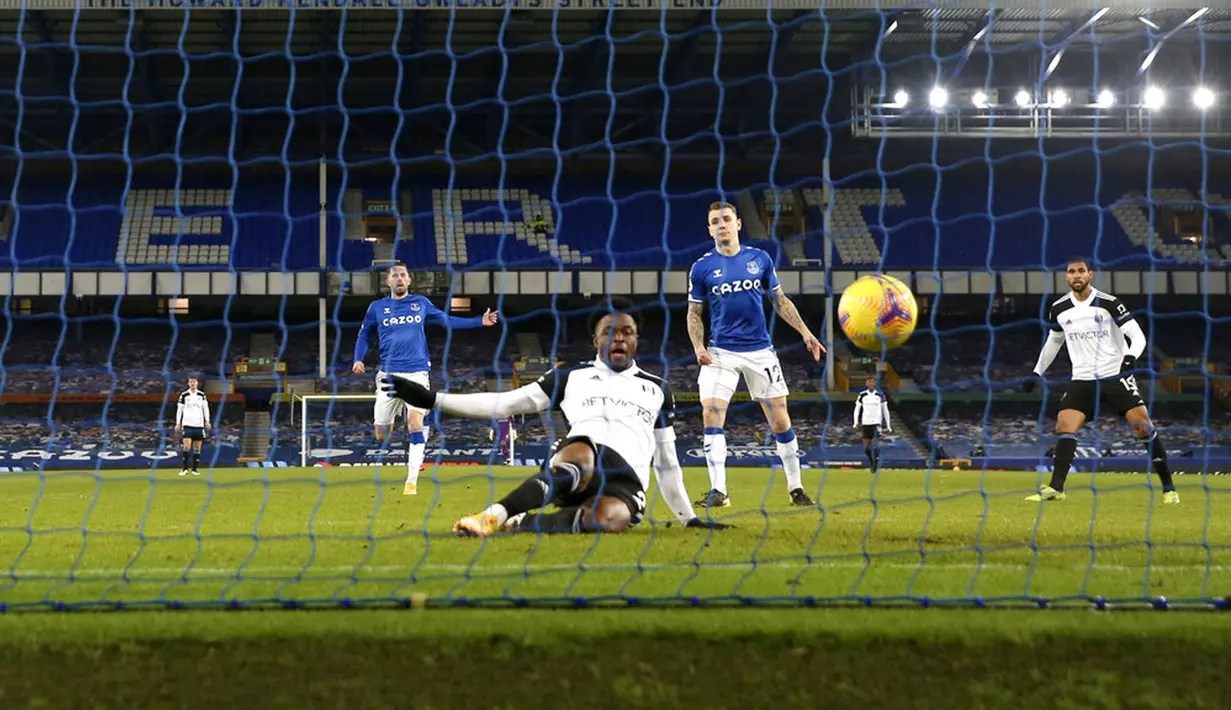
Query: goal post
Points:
[305, 445]
[501, 430]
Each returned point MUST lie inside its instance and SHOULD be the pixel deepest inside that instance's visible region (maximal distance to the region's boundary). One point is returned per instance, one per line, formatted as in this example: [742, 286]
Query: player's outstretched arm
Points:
[441, 318]
[478, 405]
[787, 311]
[671, 482]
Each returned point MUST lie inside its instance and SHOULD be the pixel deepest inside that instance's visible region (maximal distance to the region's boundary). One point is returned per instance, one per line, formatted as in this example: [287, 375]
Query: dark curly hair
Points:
[613, 306]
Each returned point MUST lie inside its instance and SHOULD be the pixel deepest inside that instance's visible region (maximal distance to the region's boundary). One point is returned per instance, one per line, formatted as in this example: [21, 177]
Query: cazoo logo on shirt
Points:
[736, 287]
[402, 320]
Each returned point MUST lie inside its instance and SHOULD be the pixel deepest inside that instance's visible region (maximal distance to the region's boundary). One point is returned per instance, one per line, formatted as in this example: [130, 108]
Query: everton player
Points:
[734, 281]
[620, 426]
[399, 320]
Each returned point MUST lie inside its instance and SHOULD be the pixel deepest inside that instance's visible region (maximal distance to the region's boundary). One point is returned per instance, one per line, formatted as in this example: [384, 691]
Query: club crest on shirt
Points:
[414, 306]
[753, 268]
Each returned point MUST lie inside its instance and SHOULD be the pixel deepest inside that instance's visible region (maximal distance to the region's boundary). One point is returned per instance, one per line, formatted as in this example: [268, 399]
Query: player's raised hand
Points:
[489, 317]
[704, 357]
[410, 392]
[814, 346]
[358, 367]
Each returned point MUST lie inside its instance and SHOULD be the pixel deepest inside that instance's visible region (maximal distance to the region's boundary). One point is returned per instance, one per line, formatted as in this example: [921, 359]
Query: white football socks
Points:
[788, 451]
[715, 442]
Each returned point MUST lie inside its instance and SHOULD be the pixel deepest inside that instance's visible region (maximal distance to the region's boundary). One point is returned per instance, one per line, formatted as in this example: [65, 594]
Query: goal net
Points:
[218, 190]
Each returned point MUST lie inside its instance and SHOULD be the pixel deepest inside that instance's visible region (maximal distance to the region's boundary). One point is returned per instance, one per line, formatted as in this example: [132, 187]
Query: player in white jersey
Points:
[620, 425]
[192, 424]
[734, 280]
[871, 413]
[1094, 325]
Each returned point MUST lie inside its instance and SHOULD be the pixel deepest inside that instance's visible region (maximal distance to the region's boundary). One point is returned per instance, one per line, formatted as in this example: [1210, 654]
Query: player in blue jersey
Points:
[734, 279]
[399, 320]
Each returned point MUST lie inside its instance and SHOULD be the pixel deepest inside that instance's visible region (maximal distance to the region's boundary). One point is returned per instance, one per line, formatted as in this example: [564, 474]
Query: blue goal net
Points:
[206, 208]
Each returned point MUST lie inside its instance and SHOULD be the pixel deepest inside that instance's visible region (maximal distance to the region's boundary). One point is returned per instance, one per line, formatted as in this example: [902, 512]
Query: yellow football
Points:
[877, 312]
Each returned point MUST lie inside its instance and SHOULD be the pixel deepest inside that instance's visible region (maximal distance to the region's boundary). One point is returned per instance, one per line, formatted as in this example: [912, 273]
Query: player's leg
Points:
[196, 456]
[716, 385]
[612, 501]
[1078, 407]
[415, 451]
[871, 446]
[596, 513]
[1139, 418]
[186, 448]
[763, 373]
[787, 447]
[570, 469]
[418, 438]
[384, 413]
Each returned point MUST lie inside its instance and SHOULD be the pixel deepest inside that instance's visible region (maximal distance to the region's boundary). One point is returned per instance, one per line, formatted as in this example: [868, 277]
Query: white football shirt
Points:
[629, 411]
[1094, 332]
[871, 409]
[193, 409]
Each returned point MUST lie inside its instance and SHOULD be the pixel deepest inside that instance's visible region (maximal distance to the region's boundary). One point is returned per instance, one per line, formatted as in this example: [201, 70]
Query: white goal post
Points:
[305, 399]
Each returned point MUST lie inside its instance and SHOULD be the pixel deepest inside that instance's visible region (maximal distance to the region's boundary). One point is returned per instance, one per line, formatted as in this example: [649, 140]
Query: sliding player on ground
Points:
[399, 320]
[733, 279]
[1095, 324]
[871, 413]
[192, 424]
[620, 425]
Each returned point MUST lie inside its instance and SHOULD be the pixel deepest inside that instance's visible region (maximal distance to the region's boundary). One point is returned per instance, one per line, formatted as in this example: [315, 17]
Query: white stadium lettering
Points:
[736, 287]
[401, 320]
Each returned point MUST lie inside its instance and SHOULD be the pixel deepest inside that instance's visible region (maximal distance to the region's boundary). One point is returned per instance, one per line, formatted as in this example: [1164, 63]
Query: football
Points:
[877, 312]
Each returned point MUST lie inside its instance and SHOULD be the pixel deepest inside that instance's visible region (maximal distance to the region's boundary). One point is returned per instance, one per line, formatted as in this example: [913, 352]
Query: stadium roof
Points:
[556, 78]
[847, 27]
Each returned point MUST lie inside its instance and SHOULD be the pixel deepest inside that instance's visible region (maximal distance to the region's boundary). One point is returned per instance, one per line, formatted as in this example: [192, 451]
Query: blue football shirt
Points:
[399, 324]
[735, 288]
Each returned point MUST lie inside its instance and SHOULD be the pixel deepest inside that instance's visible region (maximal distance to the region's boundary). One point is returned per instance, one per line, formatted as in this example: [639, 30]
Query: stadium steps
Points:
[262, 345]
[529, 345]
[255, 441]
[852, 239]
[754, 228]
[352, 207]
[1130, 212]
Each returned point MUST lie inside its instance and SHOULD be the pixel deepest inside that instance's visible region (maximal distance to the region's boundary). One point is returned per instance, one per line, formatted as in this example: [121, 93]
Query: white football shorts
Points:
[389, 407]
[761, 370]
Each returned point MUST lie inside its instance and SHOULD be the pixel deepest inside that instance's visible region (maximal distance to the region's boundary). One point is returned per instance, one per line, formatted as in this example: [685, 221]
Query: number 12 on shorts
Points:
[774, 374]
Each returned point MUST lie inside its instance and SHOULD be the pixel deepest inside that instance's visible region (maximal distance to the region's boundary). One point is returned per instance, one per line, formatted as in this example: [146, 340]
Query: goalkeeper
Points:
[620, 421]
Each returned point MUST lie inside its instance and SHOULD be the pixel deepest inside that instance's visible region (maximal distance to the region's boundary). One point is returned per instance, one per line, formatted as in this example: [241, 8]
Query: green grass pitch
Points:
[332, 534]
